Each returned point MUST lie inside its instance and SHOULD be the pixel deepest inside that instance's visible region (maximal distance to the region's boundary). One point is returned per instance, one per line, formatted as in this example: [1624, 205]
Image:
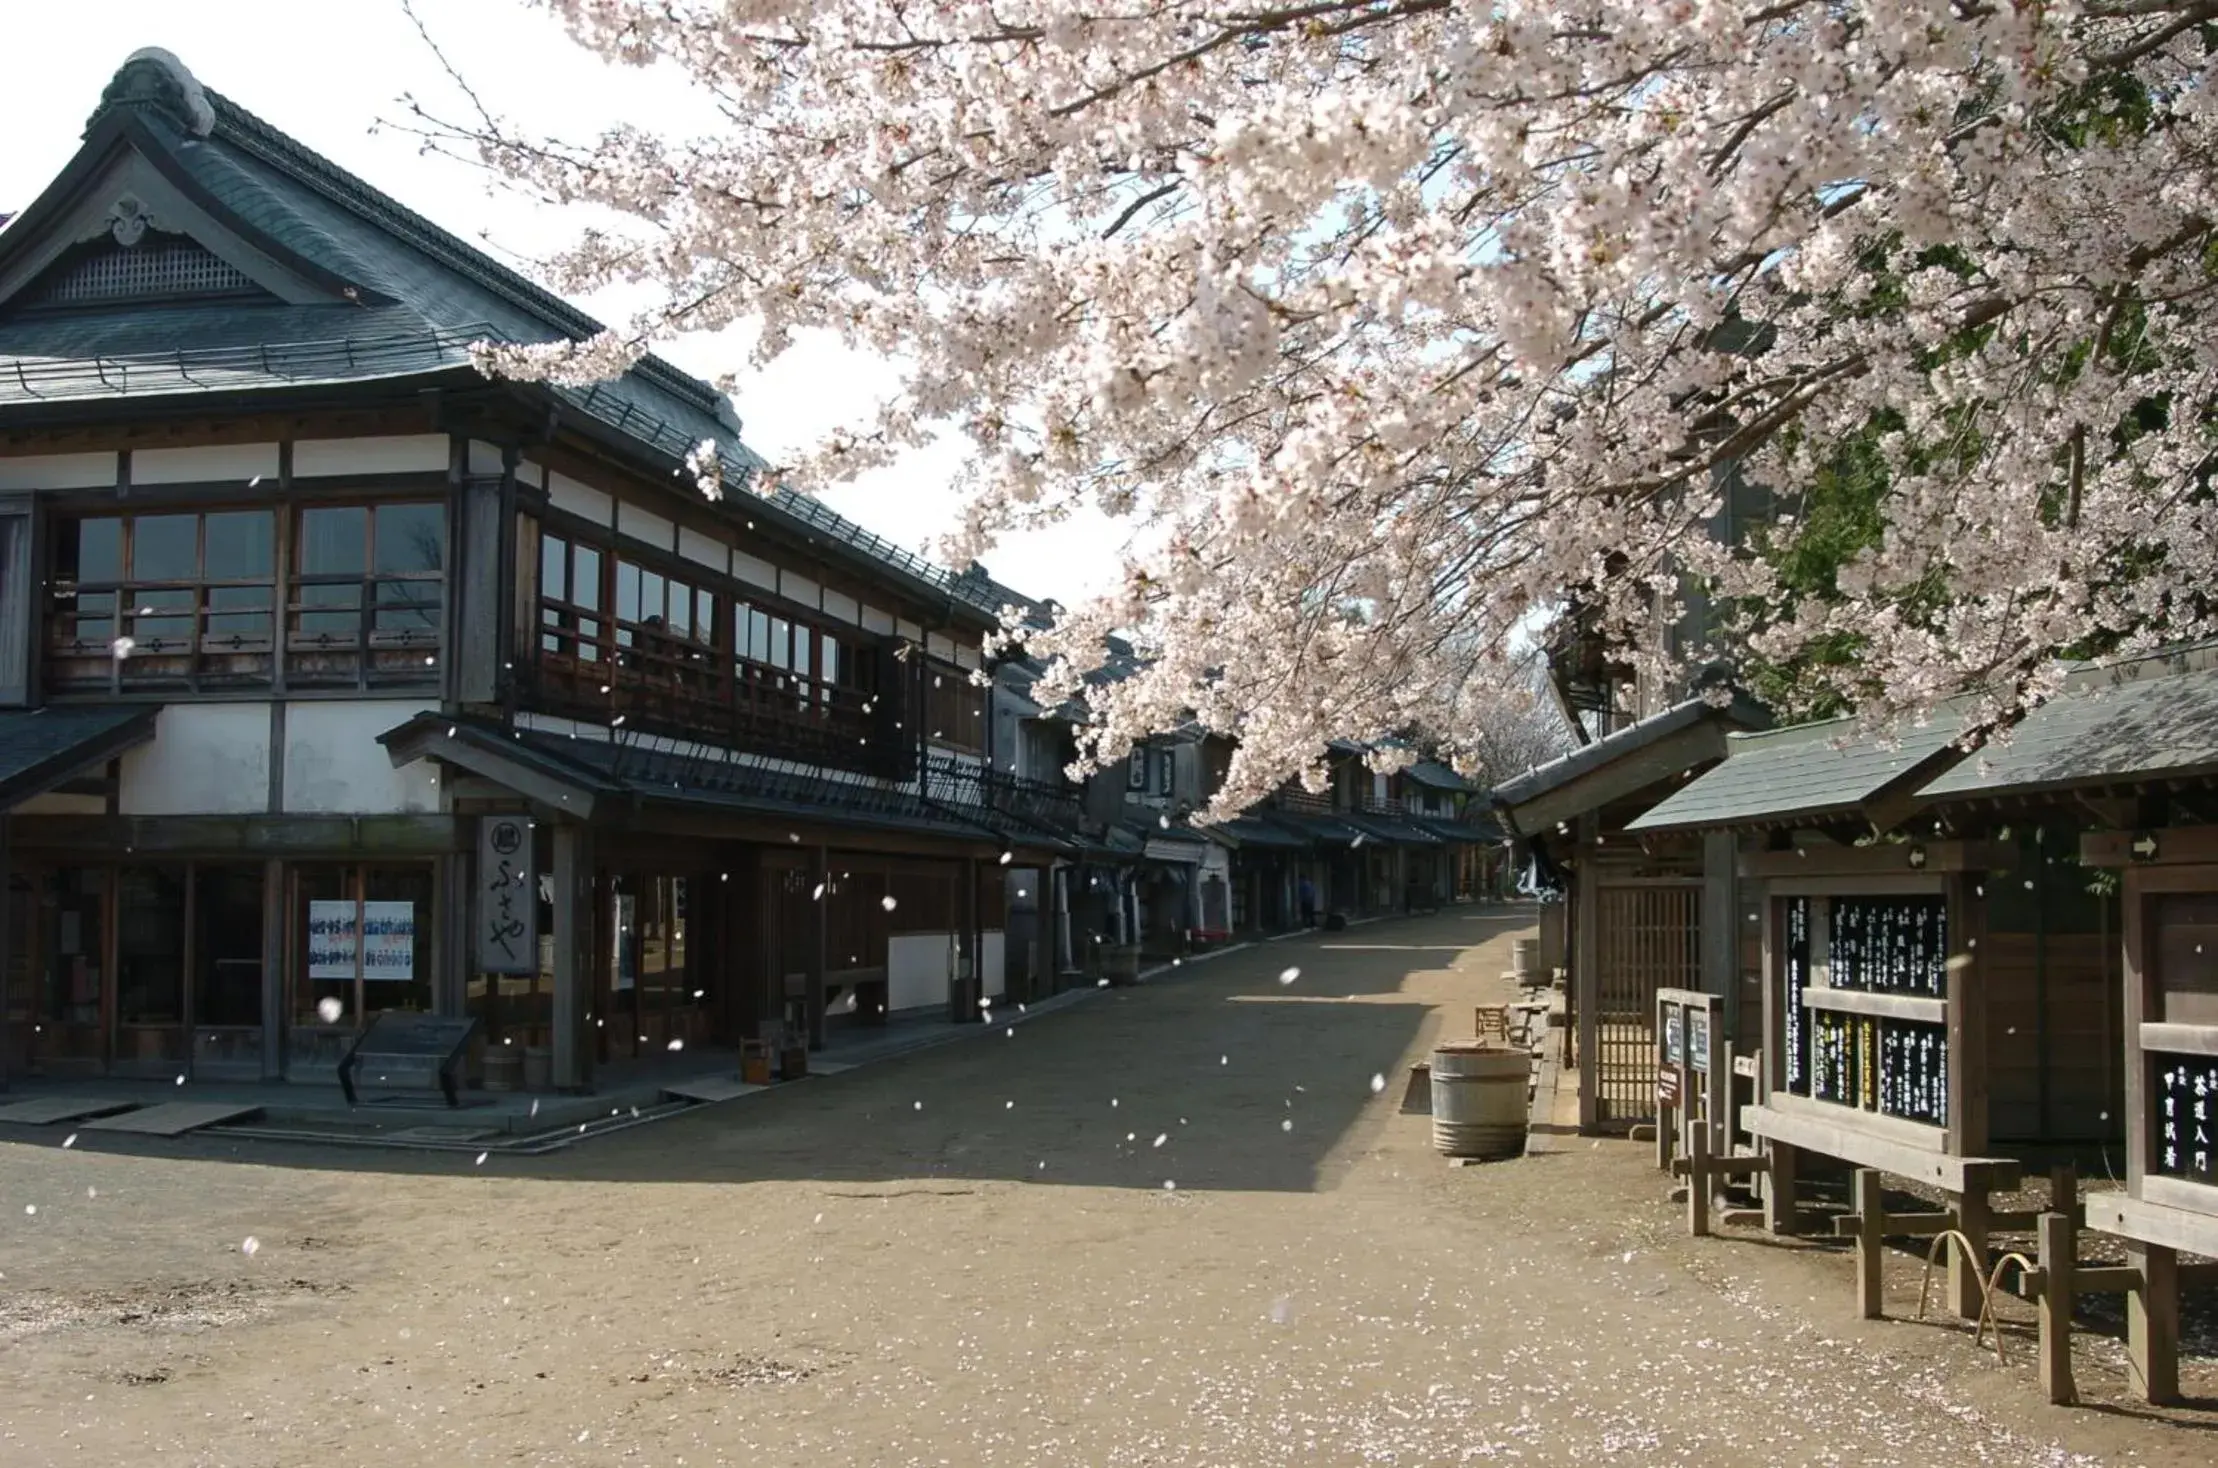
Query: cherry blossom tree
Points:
[1408, 325]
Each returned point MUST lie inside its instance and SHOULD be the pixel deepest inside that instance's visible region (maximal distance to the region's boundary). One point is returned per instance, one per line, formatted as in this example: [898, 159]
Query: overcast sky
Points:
[330, 83]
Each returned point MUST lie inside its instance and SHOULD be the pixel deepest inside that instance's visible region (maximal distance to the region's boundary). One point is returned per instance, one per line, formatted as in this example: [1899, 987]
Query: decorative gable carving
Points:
[136, 263]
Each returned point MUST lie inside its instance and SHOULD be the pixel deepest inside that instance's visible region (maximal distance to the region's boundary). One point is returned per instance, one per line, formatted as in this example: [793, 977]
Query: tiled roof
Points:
[426, 295]
[41, 748]
[2101, 733]
[1437, 776]
[1564, 769]
[1808, 771]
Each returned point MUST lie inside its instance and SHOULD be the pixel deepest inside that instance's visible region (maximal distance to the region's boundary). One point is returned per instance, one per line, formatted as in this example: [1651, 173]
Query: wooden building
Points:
[1638, 914]
[337, 678]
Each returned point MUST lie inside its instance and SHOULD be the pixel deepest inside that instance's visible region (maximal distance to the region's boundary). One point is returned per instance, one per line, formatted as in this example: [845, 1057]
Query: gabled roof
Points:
[1687, 736]
[46, 747]
[2130, 723]
[356, 288]
[1806, 774]
[1435, 775]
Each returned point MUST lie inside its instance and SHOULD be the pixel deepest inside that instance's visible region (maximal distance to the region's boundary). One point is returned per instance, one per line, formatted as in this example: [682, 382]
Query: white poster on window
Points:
[334, 939]
[388, 940]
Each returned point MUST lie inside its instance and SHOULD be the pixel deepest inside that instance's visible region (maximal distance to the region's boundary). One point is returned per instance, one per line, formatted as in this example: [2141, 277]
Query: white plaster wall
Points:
[695, 546]
[800, 588]
[939, 646]
[485, 458]
[582, 500]
[996, 950]
[876, 621]
[841, 605]
[645, 525]
[909, 630]
[205, 759]
[57, 471]
[407, 453]
[207, 463]
[335, 766]
[754, 570]
[917, 972]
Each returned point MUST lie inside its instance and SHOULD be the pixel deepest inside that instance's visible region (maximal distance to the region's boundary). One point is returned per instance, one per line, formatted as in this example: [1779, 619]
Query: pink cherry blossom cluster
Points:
[1400, 322]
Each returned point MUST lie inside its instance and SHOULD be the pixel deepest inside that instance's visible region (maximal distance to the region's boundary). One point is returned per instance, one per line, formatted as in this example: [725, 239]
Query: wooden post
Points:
[2064, 1190]
[1779, 1190]
[573, 957]
[1720, 940]
[7, 955]
[274, 1020]
[1586, 977]
[1698, 1181]
[820, 943]
[1871, 1236]
[2152, 1322]
[1965, 1274]
[2056, 1246]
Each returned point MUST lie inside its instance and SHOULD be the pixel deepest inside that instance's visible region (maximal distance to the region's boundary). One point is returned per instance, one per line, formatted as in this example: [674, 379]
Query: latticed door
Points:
[1648, 937]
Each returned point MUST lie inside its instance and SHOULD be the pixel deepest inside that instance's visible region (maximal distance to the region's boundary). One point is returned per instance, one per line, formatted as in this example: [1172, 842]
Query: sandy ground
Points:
[976, 1255]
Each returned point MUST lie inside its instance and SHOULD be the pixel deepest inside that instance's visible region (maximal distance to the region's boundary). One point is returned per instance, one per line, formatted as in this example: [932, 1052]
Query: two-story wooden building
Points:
[336, 677]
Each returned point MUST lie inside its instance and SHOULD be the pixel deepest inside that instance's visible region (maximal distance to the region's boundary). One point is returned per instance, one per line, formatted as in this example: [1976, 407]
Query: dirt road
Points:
[1172, 1225]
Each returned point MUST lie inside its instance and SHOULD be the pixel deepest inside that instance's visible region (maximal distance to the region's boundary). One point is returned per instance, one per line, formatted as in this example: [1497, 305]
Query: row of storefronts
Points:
[338, 680]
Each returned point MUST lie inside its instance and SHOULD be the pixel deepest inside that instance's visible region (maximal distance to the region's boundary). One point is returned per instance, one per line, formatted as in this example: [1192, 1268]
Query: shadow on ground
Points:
[1245, 1073]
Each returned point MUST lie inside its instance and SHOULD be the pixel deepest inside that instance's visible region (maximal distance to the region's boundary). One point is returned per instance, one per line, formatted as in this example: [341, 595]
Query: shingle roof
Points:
[427, 295]
[1809, 771]
[2110, 733]
[41, 748]
[1437, 775]
[1742, 712]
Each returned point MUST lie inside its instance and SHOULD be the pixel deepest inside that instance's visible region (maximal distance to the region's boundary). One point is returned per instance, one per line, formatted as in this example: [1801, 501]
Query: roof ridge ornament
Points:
[154, 78]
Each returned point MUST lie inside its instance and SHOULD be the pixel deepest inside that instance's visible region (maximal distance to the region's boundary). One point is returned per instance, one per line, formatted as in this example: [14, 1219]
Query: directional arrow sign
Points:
[2144, 846]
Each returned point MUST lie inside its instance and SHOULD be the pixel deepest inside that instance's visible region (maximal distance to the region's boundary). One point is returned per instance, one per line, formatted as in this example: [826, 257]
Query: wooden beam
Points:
[1896, 1225]
[1884, 1006]
[1586, 978]
[1851, 1144]
[1883, 859]
[2196, 845]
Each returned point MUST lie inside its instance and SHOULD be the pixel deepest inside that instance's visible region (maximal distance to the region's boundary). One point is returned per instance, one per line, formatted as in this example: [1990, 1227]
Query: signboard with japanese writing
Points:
[334, 938]
[388, 941]
[1698, 1039]
[2185, 1095]
[1667, 1085]
[1675, 1036]
[506, 913]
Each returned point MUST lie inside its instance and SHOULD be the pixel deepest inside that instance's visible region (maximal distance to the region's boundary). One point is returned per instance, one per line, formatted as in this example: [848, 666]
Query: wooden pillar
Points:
[1780, 1201]
[7, 955]
[2152, 1322]
[1871, 1242]
[1719, 938]
[274, 1021]
[1967, 1091]
[1586, 978]
[1967, 1268]
[1698, 1180]
[820, 945]
[573, 957]
[2055, 1236]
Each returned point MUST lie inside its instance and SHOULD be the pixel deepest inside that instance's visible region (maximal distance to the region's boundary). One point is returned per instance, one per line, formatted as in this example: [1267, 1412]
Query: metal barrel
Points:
[1524, 958]
[1478, 1100]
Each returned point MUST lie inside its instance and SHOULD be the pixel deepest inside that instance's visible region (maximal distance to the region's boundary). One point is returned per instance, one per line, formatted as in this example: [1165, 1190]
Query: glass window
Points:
[411, 539]
[554, 568]
[227, 944]
[585, 579]
[165, 547]
[334, 540]
[150, 945]
[627, 592]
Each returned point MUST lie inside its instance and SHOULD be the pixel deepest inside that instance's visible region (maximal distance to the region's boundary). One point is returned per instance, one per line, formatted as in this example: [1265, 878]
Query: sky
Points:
[332, 84]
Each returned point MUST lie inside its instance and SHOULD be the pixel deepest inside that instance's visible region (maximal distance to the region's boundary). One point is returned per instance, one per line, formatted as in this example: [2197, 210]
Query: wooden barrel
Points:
[1478, 1099]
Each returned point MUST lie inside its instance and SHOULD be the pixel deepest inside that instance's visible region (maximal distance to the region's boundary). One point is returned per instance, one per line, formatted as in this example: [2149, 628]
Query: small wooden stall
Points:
[1874, 1029]
[2169, 1206]
[1642, 915]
